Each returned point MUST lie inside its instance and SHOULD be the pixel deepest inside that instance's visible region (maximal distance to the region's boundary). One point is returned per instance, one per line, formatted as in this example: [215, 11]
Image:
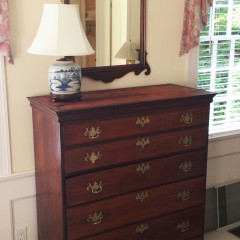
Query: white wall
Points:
[28, 76]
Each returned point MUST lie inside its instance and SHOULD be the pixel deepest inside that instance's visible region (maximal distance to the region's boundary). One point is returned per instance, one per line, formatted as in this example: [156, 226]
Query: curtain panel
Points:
[5, 48]
[195, 18]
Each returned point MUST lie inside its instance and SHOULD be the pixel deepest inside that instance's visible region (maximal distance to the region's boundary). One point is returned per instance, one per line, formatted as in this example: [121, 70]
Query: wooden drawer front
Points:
[183, 225]
[110, 154]
[97, 130]
[94, 186]
[115, 212]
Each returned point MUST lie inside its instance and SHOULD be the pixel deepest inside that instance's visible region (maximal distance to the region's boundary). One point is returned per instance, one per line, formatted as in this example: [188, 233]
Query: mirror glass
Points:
[116, 31]
[110, 25]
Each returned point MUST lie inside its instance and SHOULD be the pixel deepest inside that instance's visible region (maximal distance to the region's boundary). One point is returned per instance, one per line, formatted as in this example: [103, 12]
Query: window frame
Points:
[5, 156]
[192, 81]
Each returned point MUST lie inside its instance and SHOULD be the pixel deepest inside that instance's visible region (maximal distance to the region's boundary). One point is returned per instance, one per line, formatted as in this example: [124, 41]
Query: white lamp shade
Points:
[60, 32]
[127, 51]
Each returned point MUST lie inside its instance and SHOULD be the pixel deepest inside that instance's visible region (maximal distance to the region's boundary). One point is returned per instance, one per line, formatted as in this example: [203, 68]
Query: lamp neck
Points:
[65, 59]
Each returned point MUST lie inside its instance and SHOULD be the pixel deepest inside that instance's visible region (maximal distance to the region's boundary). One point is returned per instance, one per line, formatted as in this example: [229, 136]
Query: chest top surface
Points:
[164, 94]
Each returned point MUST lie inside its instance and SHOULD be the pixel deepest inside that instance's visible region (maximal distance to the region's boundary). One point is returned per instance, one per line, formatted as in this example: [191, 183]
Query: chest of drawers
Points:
[125, 164]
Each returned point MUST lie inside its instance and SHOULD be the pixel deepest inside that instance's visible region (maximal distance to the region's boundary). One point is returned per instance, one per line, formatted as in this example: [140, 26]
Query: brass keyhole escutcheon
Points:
[142, 142]
[184, 195]
[142, 121]
[186, 141]
[142, 228]
[186, 118]
[93, 133]
[186, 166]
[93, 157]
[142, 196]
[143, 167]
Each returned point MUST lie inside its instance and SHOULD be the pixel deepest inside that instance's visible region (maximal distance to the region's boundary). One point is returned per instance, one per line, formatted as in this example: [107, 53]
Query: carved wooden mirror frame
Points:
[109, 73]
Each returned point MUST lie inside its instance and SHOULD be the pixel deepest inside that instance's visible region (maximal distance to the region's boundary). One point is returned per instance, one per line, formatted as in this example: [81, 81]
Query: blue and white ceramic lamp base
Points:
[65, 81]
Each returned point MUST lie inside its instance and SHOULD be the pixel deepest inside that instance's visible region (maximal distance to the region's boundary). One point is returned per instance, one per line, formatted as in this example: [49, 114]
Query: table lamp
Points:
[129, 52]
[61, 33]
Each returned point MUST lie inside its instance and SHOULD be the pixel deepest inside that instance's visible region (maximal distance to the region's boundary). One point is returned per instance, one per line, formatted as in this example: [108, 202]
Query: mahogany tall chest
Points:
[123, 164]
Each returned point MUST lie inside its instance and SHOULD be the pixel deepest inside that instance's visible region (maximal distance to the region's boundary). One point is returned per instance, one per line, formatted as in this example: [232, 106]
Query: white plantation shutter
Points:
[219, 64]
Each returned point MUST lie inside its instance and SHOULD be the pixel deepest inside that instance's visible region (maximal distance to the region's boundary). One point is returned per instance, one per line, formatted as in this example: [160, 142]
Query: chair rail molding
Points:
[5, 157]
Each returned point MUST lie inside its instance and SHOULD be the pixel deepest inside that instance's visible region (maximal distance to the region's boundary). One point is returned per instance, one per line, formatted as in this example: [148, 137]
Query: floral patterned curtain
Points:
[5, 31]
[195, 18]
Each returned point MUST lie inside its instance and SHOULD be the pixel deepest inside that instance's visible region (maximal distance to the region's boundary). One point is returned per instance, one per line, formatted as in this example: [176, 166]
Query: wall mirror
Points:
[116, 30]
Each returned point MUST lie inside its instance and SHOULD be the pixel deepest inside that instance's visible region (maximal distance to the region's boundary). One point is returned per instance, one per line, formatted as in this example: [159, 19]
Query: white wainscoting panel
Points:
[223, 161]
[24, 215]
[18, 205]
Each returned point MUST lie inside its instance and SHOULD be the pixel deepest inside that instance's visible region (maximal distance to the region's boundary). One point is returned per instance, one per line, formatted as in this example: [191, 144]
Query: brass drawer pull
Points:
[142, 196]
[186, 141]
[142, 143]
[184, 226]
[186, 166]
[187, 118]
[142, 228]
[142, 121]
[143, 167]
[95, 219]
[93, 157]
[93, 133]
[184, 196]
[95, 187]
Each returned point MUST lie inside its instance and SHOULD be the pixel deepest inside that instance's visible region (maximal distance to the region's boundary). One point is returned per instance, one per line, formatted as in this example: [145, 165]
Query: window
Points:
[219, 64]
